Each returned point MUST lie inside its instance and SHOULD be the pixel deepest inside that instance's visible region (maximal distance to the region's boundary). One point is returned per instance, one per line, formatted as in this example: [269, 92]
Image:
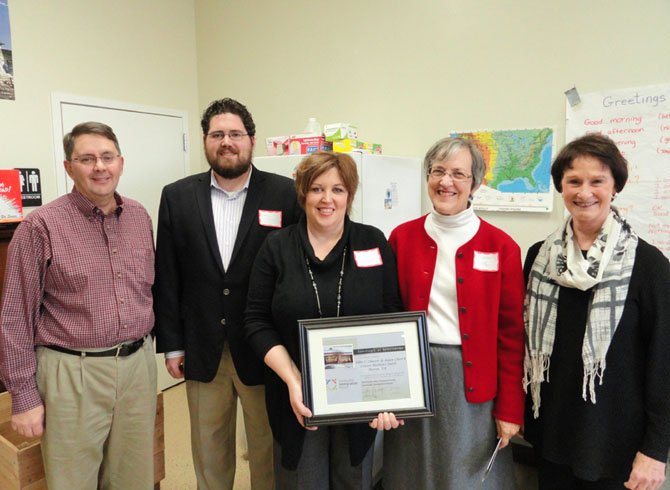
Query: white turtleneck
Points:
[449, 233]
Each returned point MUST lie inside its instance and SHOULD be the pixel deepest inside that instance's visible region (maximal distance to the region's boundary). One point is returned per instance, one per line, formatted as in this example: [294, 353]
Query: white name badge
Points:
[487, 262]
[269, 218]
[368, 258]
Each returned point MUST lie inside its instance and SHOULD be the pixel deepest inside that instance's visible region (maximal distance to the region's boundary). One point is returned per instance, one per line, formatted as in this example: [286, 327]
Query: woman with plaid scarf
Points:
[597, 319]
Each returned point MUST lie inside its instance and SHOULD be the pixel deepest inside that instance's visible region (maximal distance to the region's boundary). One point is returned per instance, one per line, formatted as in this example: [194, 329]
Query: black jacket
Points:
[198, 305]
[632, 409]
[281, 293]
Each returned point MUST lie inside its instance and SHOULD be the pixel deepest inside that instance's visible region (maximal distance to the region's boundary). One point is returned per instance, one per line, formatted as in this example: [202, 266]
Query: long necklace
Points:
[339, 284]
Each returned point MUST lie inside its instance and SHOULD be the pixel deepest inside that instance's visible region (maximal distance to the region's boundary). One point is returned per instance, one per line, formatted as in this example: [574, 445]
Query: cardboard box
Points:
[348, 145]
[375, 148]
[302, 145]
[11, 209]
[340, 131]
[276, 145]
[159, 440]
[21, 465]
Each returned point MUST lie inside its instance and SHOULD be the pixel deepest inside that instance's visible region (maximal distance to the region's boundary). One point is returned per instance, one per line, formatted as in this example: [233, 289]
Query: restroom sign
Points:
[31, 186]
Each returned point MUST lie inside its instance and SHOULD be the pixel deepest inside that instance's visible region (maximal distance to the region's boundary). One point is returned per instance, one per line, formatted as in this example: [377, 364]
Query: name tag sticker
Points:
[368, 258]
[487, 262]
[269, 218]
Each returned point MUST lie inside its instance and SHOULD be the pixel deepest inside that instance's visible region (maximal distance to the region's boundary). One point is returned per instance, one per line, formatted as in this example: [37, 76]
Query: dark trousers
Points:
[324, 464]
[552, 476]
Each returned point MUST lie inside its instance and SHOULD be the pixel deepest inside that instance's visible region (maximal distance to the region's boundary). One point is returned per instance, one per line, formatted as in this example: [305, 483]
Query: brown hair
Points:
[316, 164]
[90, 127]
[597, 146]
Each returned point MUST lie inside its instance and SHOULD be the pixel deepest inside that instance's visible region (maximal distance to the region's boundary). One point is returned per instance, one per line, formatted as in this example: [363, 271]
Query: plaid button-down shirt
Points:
[75, 278]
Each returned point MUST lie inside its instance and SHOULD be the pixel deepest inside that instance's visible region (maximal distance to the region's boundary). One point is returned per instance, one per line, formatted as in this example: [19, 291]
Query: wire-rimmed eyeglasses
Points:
[233, 135]
[90, 160]
[456, 175]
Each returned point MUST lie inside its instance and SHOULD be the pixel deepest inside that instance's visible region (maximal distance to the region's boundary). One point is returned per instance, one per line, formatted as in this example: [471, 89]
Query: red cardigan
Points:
[490, 308]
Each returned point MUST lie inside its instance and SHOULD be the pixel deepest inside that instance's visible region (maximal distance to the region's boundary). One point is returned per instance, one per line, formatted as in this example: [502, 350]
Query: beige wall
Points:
[405, 72]
[136, 51]
[408, 72]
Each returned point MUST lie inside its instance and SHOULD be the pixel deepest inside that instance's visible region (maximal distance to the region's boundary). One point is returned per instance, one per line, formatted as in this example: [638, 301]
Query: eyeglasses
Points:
[233, 135]
[90, 160]
[456, 175]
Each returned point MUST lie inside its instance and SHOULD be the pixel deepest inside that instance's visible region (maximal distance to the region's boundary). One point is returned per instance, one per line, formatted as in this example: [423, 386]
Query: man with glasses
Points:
[75, 351]
[210, 227]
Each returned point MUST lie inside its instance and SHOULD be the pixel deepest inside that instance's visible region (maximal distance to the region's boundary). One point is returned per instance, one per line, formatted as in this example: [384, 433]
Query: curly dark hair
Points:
[228, 106]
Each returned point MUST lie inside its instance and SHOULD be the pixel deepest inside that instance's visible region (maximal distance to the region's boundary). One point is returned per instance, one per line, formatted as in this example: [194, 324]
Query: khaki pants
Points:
[213, 412]
[99, 420]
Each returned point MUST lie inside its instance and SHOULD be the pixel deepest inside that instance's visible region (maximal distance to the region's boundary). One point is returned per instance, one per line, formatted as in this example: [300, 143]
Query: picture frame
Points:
[355, 367]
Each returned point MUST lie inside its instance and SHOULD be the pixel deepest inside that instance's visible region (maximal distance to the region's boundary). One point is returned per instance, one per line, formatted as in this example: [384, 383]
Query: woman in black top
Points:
[597, 368]
[324, 266]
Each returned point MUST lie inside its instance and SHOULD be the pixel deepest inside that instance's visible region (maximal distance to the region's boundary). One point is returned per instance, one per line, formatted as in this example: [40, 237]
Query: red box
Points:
[302, 145]
[11, 209]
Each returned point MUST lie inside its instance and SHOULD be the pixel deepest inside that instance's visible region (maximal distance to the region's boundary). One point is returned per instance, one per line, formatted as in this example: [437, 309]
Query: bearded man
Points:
[210, 227]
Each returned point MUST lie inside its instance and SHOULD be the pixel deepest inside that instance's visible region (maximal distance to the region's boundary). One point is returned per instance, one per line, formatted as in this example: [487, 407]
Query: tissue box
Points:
[276, 145]
[340, 131]
[375, 148]
[302, 145]
[348, 145]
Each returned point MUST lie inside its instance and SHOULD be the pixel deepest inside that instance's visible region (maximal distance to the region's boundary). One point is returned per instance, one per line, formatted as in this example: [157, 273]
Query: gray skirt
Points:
[450, 450]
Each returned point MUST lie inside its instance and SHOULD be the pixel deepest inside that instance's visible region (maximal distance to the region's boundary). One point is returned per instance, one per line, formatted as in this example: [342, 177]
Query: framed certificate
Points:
[357, 366]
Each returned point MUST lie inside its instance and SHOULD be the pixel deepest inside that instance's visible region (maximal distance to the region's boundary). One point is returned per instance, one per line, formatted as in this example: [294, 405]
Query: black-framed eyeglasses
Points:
[455, 175]
[233, 135]
[90, 160]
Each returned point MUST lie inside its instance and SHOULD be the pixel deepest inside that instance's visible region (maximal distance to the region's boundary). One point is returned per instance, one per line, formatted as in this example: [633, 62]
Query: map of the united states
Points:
[517, 161]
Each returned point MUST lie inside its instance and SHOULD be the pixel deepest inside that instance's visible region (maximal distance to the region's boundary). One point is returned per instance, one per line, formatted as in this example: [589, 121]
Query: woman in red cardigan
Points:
[466, 274]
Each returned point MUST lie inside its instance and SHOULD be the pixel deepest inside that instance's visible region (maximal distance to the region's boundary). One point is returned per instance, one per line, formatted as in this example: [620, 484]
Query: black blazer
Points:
[198, 305]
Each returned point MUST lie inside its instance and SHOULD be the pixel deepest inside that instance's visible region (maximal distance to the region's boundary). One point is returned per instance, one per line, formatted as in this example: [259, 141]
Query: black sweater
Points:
[632, 409]
[281, 293]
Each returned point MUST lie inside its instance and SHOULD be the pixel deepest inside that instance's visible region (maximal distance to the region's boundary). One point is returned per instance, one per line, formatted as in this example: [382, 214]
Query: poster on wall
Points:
[518, 169]
[11, 209]
[6, 60]
[638, 120]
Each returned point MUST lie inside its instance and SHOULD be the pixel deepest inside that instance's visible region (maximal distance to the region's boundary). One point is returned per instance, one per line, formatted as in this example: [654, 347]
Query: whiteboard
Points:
[153, 144]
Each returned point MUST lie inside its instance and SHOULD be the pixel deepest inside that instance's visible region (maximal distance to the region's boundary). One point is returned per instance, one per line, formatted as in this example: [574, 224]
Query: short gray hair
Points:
[446, 147]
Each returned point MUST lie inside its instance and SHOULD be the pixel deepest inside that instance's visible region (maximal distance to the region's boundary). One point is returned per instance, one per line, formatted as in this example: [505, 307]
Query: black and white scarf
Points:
[607, 268]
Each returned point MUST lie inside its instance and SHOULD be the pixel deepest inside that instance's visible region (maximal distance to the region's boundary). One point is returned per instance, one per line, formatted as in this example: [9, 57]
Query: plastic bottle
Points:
[313, 127]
